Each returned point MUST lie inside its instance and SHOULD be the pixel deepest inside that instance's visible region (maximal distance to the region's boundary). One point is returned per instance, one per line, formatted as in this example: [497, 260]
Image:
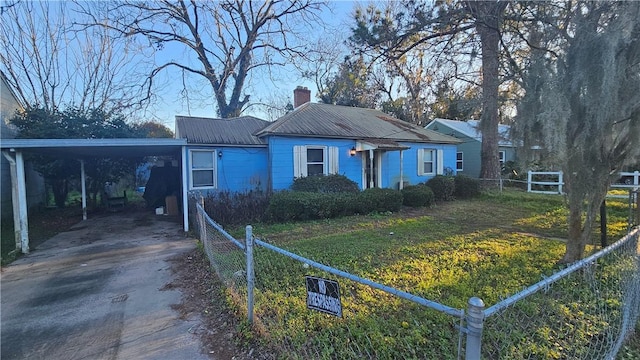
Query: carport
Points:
[81, 149]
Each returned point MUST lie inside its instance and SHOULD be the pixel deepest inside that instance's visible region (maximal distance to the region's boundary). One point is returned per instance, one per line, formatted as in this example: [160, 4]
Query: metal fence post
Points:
[203, 224]
[529, 176]
[560, 182]
[250, 273]
[475, 323]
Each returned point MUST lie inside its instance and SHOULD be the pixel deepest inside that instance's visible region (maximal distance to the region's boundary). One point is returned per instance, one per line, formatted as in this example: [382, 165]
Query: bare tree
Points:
[582, 104]
[50, 63]
[223, 42]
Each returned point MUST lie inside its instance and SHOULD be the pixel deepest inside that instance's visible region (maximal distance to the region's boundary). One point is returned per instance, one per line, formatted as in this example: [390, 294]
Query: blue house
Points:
[468, 159]
[224, 154]
[365, 145]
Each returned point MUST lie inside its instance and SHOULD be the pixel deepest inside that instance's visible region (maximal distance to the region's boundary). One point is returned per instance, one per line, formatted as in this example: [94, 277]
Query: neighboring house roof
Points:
[470, 128]
[210, 131]
[324, 120]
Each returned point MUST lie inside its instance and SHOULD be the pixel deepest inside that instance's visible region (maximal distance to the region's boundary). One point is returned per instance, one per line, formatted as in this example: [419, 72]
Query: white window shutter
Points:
[299, 161]
[440, 162]
[333, 160]
[420, 161]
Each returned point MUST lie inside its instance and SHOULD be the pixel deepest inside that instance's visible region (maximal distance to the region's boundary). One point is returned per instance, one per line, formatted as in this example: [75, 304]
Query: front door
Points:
[371, 168]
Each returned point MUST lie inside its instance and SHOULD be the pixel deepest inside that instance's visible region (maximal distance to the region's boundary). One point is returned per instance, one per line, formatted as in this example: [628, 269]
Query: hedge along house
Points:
[365, 145]
[468, 157]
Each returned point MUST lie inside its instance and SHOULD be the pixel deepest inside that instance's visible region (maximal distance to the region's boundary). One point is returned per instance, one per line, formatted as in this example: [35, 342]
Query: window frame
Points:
[460, 161]
[213, 169]
[433, 161]
[324, 163]
[502, 157]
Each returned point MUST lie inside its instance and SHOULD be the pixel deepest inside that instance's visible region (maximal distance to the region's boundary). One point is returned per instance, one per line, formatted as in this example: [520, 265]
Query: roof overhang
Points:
[86, 148]
[379, 144]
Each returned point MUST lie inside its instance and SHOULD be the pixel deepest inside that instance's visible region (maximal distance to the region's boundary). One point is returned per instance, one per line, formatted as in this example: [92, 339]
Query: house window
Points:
[203, 169]
[459, 161]
[501, 156]
[430, 162]
[314, 160]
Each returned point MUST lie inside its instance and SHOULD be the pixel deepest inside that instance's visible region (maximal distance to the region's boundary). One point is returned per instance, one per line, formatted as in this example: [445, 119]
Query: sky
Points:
[72, 68]
[170, 96]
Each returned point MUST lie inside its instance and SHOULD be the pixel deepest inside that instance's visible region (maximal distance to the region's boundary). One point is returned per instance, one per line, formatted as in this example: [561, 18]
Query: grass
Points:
[488, 247]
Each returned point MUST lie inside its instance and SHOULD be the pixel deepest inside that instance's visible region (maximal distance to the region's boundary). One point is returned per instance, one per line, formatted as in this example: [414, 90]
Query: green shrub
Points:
[443, 187]
[239, 208]
[466, 187]
[303, 205]
[417, 196]
[378, 200]
[325, 184]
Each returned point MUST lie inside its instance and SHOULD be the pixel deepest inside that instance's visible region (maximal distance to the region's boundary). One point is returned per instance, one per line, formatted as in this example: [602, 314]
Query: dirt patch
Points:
[203, 296]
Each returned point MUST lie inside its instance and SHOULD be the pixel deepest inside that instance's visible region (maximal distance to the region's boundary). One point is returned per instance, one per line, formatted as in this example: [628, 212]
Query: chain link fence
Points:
[374, 321]
[584, 312]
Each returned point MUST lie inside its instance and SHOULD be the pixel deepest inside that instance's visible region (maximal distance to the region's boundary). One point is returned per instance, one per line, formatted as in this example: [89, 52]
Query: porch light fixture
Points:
[220, 154]
[352, 152]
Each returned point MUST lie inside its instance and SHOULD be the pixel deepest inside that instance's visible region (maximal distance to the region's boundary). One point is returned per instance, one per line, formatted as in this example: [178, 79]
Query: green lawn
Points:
[490, 247]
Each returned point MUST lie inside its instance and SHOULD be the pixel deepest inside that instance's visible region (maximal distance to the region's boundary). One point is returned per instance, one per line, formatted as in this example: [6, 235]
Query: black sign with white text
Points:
[323, 295]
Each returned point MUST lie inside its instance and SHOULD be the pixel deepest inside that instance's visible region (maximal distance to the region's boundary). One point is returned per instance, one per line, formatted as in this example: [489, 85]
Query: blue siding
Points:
[239, 169]
[281, 158]
[242, 169]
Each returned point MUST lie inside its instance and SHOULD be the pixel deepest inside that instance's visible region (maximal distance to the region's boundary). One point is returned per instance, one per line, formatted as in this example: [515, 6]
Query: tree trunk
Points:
[575, 246]
[488, 29]
[60, 189]
[579, 230]
[488, 17]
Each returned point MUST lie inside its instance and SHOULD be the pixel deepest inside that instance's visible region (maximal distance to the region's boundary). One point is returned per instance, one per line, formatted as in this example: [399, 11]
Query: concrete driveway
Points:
[96, 292]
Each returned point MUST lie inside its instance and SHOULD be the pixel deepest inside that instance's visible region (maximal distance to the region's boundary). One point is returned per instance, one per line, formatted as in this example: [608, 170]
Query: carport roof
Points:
[82, 148]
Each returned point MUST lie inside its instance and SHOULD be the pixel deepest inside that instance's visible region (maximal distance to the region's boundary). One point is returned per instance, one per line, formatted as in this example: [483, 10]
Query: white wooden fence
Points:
[534, 178]
[628, 180]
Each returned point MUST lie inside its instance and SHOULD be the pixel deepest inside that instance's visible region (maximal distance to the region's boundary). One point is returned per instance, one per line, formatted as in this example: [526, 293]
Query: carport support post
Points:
[250, 274]
[83, 181]
[371, 182]
[22, 201]
[475, 323]
[15, 199]
[185, 189]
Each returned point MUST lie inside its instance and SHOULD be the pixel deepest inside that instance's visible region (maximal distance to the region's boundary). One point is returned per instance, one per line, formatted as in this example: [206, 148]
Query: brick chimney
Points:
[301, 95]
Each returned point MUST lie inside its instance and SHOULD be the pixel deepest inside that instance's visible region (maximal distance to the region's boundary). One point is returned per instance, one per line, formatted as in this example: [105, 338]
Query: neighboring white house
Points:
[468, 158]
[35, 183]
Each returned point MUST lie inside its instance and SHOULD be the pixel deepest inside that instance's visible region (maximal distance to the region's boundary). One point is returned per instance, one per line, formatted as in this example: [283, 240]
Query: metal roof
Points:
[211, 131]
[471, 128]
[324, 120]
[82, 148]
